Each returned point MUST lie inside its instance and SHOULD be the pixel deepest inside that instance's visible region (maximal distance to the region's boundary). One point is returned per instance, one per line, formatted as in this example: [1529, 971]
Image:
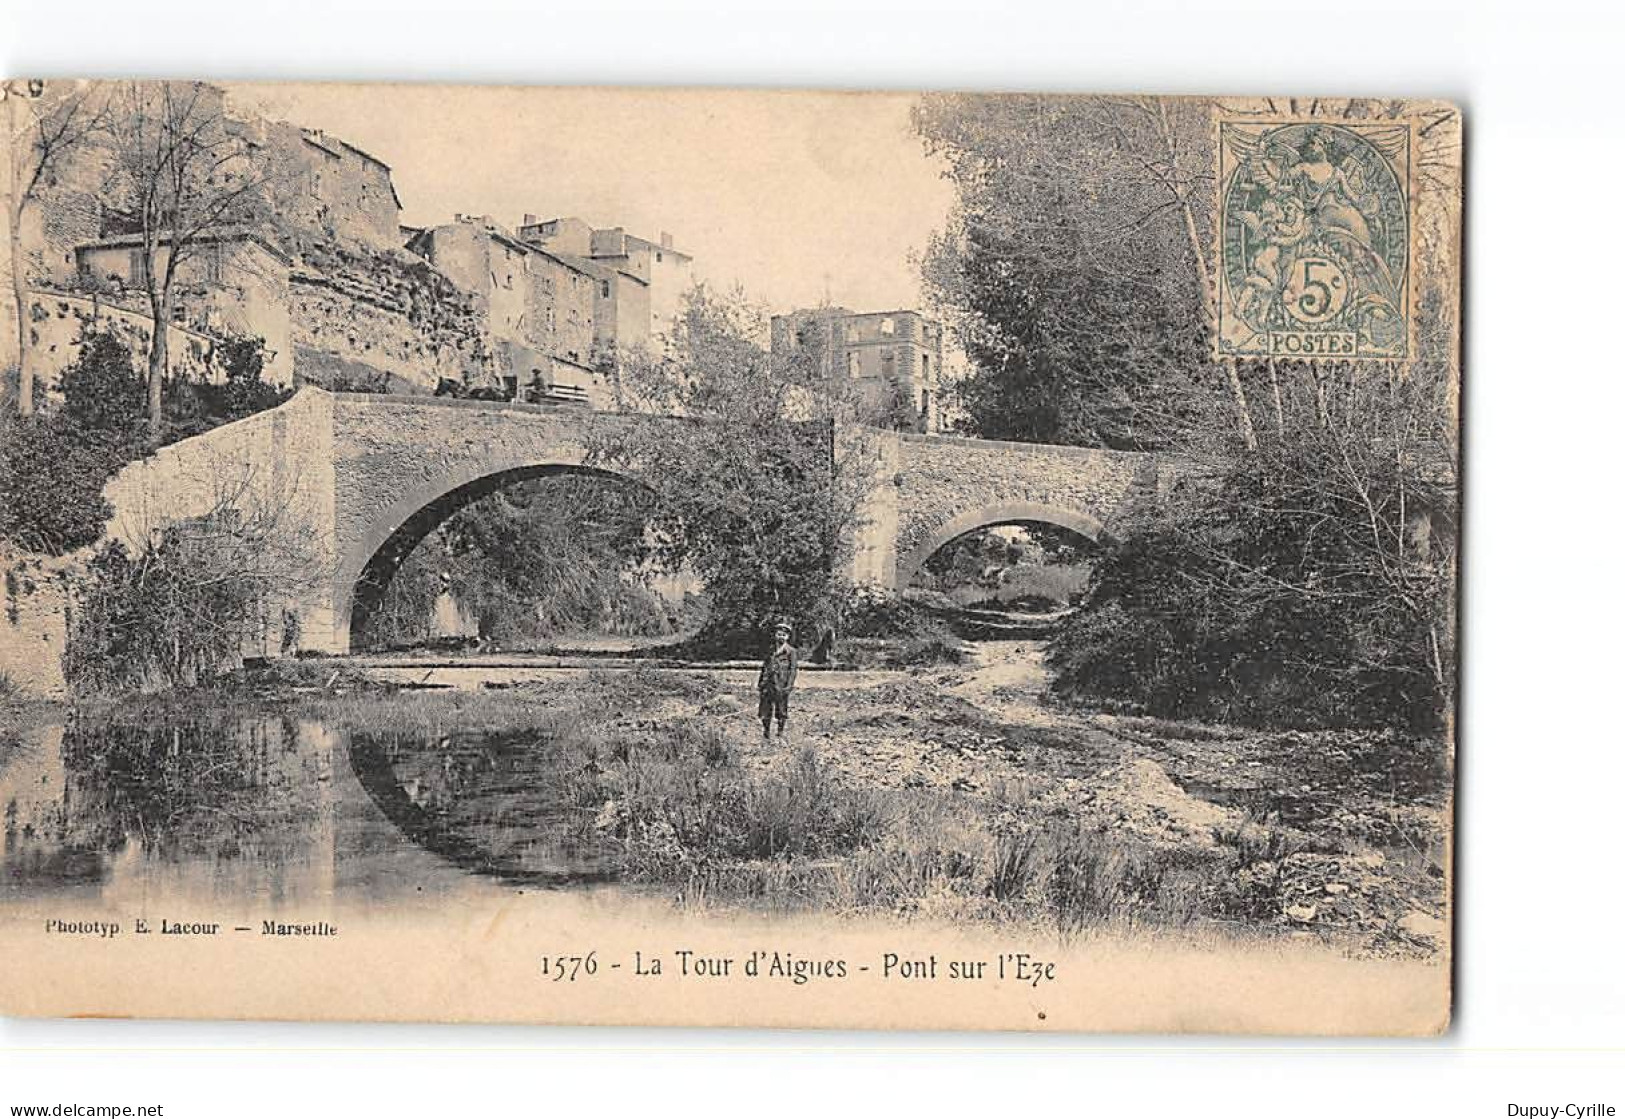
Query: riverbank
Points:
[956, 794]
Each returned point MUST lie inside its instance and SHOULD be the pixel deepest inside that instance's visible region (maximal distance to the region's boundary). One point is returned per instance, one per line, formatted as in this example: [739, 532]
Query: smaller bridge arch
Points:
[1001, 513]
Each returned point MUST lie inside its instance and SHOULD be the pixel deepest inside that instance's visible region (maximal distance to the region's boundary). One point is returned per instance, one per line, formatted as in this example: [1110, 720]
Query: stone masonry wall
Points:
[277, 465]
[355, 469]
[34, 623]
[57, 322]
[273, 463]
[411, 331]
[394, 456]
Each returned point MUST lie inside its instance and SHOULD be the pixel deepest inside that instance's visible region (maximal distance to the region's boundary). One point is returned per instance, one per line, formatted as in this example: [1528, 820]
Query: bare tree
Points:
[182, 177]
[45, 124]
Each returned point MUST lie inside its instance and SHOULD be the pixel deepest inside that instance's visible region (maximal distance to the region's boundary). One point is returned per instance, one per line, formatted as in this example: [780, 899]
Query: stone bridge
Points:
[355, 481]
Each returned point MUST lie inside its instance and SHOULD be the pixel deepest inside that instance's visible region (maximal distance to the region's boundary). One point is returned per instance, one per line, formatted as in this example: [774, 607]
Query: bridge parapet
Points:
[363, 477]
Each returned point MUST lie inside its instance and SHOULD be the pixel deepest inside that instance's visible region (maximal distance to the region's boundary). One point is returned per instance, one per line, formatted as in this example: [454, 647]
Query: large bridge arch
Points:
[364, 571]
[401, 464]
[1002, 513]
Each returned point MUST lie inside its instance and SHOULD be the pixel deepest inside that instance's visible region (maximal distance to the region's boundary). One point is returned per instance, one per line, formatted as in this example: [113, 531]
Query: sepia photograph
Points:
[665, 556]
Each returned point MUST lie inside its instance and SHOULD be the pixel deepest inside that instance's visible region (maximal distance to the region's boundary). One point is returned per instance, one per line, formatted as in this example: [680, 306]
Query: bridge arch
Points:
[1007, 512]
[367, 566]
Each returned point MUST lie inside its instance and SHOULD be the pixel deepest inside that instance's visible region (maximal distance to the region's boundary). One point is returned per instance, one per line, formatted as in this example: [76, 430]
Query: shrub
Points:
[530, 563]
[193, 407]
[56, 463]
[101, 389]
[688, 806]
[758, 497]
[1042, 584]
[936, 645]
[1191, 616]
[52, 472]
[1253, 888]
[1096, 877]
[175, 612]
[1015, 865]
[911, 634]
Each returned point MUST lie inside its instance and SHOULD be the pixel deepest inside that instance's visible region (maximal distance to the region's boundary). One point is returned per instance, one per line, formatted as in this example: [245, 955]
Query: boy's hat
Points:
[782, 627]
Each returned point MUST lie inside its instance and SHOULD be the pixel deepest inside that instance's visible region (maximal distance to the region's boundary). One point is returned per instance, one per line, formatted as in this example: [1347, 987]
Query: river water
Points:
[241, 816]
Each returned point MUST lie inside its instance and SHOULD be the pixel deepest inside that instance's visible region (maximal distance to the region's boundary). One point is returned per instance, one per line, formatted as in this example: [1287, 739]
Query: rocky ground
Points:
[1337, 835]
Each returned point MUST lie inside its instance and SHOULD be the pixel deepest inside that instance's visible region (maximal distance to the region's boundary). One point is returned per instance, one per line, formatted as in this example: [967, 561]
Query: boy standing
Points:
[777, 677]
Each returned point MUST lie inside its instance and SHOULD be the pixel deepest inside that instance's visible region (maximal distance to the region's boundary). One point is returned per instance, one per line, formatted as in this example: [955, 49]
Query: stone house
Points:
[641, 283]
[323, 188]
[543, 308]
[233, 283]
[344, 296]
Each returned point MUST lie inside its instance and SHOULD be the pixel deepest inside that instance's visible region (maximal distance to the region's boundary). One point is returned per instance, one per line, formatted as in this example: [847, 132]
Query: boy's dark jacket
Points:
[778, 670]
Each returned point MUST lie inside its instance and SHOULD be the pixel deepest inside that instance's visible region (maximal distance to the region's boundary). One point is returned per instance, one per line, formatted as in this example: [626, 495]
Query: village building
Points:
[641, 283]
[229, 284]
[894, 357]
[342, 293]
[542, 307]
[322, 187]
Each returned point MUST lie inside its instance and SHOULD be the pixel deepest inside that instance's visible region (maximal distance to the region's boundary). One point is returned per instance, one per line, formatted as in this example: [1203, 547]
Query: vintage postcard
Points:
[729, 558]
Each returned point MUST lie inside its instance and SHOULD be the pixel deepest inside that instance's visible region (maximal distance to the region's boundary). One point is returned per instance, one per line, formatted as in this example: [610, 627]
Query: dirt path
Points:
[1009, 678]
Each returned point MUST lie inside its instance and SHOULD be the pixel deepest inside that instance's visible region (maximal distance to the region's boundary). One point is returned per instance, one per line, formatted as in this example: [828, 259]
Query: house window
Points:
[925, 365]
[659, 257]
[604, 289]
[138, 267]
[214, 264]
[888, 365]
[853, 367]
[888, 327]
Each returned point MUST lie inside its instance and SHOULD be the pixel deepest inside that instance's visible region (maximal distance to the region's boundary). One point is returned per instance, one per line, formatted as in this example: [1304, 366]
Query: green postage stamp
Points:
[1314, 239]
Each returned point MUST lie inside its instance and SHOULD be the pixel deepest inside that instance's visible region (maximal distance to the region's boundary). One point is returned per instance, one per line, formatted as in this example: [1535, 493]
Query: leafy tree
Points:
[52, 472]
[178, 609]
[55, 463]
[1310, 582]
[528, 563]
[245, 391]
[1299, 571]
[1075, 271]
[752, 492]
[193, 407]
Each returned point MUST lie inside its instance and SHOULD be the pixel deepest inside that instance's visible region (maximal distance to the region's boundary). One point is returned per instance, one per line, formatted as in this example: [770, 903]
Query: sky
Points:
[795, 196]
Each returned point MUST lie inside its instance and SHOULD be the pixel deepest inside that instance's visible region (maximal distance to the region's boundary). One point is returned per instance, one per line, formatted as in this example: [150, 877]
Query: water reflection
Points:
[497, 804]
[283, 810]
